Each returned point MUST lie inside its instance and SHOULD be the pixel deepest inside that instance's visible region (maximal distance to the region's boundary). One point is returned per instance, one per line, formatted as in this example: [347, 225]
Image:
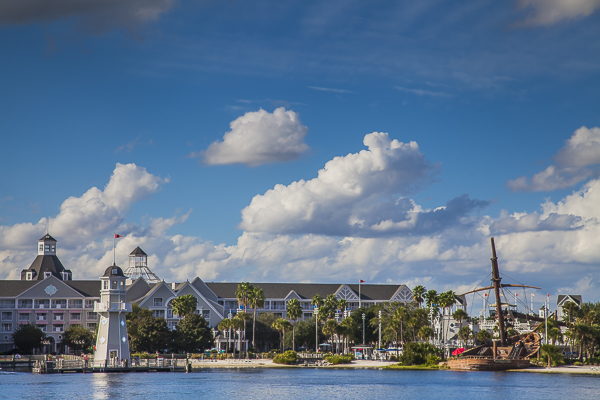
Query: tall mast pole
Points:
[496, 279]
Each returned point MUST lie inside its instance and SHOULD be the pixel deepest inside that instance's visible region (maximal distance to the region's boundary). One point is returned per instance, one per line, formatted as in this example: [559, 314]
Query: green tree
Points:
[193, 334]
[483, 336]
[242, 316]
[256, 299]
[243, 294]
[463, 334]
[225, 326]
[446, 301]
[237, 324]
[153, 335]
[184, 305]
[282, 325]
[329, 329]
[418, 292]
[27, 338]
[317, 300]
[77, 338]
[425, 333]
[459, 316]
[551, 355]
[294, 312]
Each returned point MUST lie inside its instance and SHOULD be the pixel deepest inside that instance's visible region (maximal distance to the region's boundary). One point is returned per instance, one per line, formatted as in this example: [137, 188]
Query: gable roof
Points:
[306, 291]
[46, 263]
[564, 298]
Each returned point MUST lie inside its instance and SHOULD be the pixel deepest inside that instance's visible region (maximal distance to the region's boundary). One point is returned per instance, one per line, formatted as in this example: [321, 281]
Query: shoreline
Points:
[366, 364]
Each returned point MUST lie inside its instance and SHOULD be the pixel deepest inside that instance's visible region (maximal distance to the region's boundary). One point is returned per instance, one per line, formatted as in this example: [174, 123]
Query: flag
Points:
[361, 281]
[118, 236]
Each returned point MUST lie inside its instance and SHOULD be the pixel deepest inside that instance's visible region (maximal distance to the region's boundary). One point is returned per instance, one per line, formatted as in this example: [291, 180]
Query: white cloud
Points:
[548, 12]
[95, 213]
[423, 92]
[575, 162]
[260, 137]
[355, 195]
[95, 15]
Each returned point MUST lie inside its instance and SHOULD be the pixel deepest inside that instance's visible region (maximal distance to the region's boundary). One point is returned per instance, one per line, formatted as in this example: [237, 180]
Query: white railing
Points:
[119, 306]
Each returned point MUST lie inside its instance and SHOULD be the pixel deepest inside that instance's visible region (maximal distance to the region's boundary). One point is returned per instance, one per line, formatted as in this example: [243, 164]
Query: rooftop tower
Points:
[138, 267]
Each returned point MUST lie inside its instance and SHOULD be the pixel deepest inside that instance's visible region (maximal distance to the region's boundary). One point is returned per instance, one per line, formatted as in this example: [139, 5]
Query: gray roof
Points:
[226, 290]
[47, 263]
[138, 252]
[11, 288]
[14, 288]
[113, 270]
[46, 237]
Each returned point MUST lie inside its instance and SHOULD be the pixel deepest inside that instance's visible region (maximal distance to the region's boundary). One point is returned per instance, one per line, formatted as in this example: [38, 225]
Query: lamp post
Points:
[364, 316]
[316, 329]
[379, 328]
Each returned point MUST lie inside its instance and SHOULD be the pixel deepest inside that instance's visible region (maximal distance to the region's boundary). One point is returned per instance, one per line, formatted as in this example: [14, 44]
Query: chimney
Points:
[173, 285]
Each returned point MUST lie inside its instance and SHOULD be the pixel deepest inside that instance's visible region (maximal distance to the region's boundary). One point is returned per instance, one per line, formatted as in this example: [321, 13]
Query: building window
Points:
[24, 317]
[114, 285]
[75, 316]
[29, 276]
[7, 316]
[42, 328]
[58, 317]
[158, 313]
[47, 247]
[53, 248]
[92, 315]
[105, 285]
[41, 317]
[75, 303]
[41, 247]
[66, 276]
[158, 302]
[89, 303]
[59, 303]
[6, 327]
[7, 304]
[206, 314]
[42, 304]
[47, 274]
[91, 326]
[170, 313]
[57, 328]
[25, 303]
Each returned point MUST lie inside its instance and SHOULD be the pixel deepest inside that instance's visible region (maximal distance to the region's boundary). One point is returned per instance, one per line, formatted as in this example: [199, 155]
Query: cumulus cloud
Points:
[96, 15]
[575, 162]
[521, 222]
[548, 12]
[258, 138]
[96, 212]
[356, 195]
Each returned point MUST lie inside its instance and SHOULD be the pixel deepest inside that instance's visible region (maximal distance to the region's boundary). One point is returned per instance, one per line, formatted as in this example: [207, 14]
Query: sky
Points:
[298, 141]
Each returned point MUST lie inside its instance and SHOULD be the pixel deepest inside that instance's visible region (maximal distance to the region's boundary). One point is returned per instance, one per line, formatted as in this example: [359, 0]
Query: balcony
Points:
[120, 306]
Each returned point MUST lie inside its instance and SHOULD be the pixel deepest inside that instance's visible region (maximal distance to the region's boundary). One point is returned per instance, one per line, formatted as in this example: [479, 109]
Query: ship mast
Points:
[496, 280]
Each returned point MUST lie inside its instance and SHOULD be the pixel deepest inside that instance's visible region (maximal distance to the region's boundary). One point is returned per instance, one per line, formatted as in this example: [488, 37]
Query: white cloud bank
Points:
[548, 12]
[575, 162]
[259, 138]
[557, 248]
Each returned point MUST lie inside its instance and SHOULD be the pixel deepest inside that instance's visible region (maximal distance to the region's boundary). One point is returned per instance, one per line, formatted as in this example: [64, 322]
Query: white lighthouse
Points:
[112, 345]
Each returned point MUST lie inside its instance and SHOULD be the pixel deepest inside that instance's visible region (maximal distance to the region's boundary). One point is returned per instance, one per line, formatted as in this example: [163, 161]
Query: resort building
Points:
[48, 297]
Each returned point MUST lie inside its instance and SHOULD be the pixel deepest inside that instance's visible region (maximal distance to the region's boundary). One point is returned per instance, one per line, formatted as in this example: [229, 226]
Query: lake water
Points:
[307, 383]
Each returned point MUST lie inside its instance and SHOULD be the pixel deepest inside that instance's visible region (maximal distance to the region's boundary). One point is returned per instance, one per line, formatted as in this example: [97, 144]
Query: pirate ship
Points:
[512, 352]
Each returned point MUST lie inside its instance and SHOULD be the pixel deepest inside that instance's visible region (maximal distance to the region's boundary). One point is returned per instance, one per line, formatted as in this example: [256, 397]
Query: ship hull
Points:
[488, 364]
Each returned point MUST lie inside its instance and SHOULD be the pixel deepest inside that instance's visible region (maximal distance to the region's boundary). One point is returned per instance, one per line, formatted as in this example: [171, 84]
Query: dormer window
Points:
[114, 271]
[29, 276]
[66, 276]
[47, 274]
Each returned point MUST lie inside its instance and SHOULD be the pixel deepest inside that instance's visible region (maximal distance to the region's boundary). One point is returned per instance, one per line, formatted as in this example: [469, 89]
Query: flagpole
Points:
[114, 256]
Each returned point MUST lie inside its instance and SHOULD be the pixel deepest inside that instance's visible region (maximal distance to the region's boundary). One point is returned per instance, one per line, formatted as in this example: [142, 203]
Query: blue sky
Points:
[204, 125]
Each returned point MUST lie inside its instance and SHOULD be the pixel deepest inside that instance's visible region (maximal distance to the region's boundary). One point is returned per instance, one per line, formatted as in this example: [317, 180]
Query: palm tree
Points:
[225, 325]
[317, 300]
[282, 325]
[329, 329]
[418, 293]
[348, 325]
[446, 300]
[463, 334]
[342, 304]
[256, 299]
[459, 316]
[425, 333]
[294, 312]
[242, 294]
[243, 316]
[483, 336]
[237, 323]
[184, 305]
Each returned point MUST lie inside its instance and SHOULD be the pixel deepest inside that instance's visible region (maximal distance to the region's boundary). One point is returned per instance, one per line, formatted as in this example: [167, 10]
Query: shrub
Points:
[418, 354]
[338, 359]
[578, 363]
[289, 357]
[143, 356]
[556, 358]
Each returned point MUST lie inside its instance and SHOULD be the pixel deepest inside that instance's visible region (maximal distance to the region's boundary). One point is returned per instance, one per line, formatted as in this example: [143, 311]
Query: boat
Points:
[506, 353]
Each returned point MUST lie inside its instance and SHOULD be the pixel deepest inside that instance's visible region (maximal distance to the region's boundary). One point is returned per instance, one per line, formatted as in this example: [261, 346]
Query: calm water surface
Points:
[301, 383]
